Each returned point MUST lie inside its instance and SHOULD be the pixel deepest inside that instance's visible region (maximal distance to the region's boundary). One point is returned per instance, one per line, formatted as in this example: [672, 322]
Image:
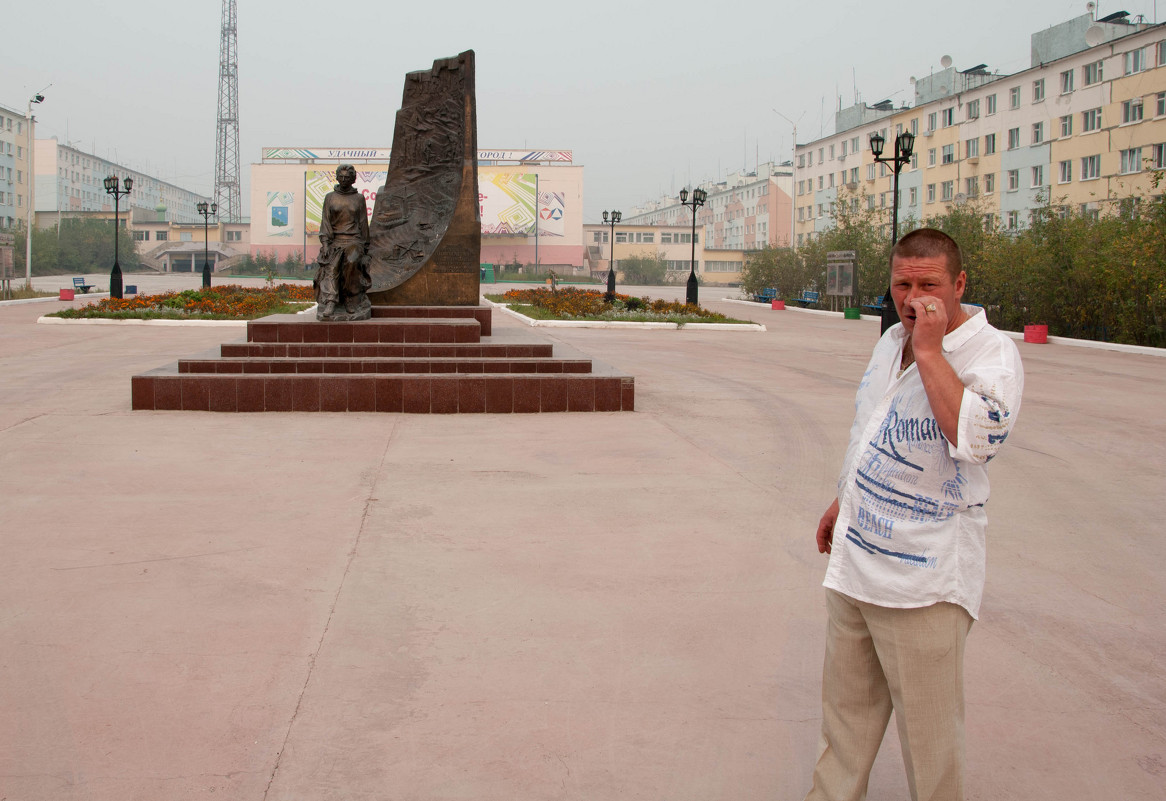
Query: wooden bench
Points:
[808, 298]
[766, 295]
[877, 306]
[80, 285]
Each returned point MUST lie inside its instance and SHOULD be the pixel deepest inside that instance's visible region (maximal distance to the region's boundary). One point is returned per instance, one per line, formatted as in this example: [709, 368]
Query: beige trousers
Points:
[879, 659]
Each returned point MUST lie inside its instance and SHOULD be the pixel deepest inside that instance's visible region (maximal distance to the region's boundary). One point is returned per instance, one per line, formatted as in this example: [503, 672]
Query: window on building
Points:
[989, 144]
[931, 121]
[1092, 73]
[1066, 125]
[1014, 97]
[648, 237]
[989, 183]
[973, 109]
[1038, 133]
[1038, 175]
[1160, 111]
[1013, 220]
[1065, 172]
[1013, 138]
[913, 193]
[870, 172]
[801, 187]
[1162, 53]
[990, 104]
[972, 186]
[1090, 167]
[843, 148]
[1066, 82]
[931, 193]
[1013, 179]
[1131, 160]
[947, 117]
[971, 147]
[802, 161]
[161, 236]
[141, 236]
[1131, 110]
[1135, 61]
[821, 154]
[821, 181]
[854, 144]
[948, 154]
[621, 237]
[1091, 120]
[854, 175]
[1158, 157]
[831, 151]
[1038, 90]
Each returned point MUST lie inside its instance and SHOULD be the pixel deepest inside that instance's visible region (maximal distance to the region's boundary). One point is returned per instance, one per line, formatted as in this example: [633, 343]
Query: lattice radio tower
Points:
[227, 188]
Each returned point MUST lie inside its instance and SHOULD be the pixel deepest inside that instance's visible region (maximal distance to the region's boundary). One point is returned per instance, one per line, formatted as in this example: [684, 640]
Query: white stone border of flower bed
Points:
[624, 323]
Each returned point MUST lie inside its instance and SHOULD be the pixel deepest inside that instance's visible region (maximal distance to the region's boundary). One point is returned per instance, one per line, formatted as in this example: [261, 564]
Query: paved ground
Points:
[574, 606]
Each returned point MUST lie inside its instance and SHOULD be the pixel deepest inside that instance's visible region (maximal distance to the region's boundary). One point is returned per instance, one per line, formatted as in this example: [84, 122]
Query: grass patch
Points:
[571, 303]
[229, 302]
[21, 293]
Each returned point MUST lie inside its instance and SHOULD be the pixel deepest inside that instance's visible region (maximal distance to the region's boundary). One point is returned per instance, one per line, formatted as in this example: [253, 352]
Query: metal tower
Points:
[228, 194]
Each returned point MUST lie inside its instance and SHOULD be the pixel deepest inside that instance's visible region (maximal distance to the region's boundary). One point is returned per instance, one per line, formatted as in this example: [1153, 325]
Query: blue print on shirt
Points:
[918, 560]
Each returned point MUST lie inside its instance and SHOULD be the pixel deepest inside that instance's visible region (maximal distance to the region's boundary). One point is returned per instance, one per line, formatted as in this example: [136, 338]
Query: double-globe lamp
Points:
[904, 144]
[611, 219]
[206, 213]
[699, 196]
[112, 187]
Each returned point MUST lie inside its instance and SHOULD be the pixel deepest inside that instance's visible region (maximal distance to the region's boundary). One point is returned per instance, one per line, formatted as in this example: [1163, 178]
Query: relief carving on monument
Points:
[425, 234]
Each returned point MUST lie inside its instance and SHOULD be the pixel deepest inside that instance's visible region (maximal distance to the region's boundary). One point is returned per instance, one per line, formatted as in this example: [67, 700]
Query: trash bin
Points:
[66, 294]
[851, 313]
[777, 305]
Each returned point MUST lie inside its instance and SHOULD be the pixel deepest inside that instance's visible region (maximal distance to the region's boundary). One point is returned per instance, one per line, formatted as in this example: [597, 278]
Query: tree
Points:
[643, 269]
[77, 246]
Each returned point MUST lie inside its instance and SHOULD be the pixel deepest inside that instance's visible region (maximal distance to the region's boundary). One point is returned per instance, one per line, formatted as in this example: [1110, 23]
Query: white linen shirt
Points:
[911, 527]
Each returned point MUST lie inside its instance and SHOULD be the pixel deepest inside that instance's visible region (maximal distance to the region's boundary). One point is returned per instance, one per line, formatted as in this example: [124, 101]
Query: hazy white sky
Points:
[649, 96]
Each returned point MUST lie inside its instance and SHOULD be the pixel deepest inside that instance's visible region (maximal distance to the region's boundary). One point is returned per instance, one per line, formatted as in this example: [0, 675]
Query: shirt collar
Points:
[975, 323]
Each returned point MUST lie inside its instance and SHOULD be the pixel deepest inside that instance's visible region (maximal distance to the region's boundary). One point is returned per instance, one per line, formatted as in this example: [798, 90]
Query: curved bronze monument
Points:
[425, 238]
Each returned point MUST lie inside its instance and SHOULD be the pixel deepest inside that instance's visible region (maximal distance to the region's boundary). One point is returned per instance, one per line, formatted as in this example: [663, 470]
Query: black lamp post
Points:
[904, 144]
[698, 198]
[613, 218]
[112, 188]
[206, 252]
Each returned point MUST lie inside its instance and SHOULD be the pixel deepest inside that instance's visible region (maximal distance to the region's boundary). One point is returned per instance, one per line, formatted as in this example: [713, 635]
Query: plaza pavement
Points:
[559, 606]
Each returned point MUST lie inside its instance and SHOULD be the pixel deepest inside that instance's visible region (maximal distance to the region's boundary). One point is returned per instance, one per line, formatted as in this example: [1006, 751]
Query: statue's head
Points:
[346, 175]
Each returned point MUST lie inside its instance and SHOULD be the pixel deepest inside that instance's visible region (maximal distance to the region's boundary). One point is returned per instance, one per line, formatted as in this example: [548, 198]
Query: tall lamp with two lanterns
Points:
[699, 196]
[904, 144]
[113, 186]
[611, 219]
[207, 213]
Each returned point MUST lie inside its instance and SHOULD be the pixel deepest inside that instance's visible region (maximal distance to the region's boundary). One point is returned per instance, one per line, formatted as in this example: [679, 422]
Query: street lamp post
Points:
[613, 218]
[904, 144]
[28, 120]
[206, 253]
[112, 188]
[698, 198]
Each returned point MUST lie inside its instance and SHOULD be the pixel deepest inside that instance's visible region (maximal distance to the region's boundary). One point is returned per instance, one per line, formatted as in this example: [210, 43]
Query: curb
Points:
[624, 324]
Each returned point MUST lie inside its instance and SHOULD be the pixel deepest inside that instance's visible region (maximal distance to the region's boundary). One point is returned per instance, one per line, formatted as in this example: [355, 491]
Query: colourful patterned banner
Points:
[382, 154]
[506, 202]
[279, 206]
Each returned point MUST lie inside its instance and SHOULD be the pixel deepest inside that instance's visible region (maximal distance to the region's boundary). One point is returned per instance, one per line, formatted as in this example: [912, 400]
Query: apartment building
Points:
[746, 211]
[69, 180]
[1082, 128]
[14, 172]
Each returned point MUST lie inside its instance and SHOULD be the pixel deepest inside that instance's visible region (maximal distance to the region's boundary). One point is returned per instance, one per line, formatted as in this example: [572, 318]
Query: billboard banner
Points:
[506, 202]
[382, 154]
[318, 183]
[279, 218]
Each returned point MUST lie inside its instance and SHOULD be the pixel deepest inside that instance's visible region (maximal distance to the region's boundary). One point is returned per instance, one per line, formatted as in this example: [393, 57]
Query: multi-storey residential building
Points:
[672, 243]
[71, 180]
[746, 211]
[14, 172]
[1082, 128]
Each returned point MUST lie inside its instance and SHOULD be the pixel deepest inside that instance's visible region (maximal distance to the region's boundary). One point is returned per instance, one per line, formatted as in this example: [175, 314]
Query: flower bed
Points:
[229, 302]
[571, 303]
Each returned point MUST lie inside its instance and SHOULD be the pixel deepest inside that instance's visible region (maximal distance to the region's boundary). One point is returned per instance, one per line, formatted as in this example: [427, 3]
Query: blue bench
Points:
[877, 306]
[80, 285]
[808, 298]
[766, 295]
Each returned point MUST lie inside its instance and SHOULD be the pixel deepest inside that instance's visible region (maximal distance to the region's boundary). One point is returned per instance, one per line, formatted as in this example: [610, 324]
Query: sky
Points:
[650, 97]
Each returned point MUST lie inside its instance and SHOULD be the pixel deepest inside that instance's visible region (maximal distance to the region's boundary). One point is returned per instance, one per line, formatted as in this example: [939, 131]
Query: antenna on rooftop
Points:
[1094, 35]
[945, 62]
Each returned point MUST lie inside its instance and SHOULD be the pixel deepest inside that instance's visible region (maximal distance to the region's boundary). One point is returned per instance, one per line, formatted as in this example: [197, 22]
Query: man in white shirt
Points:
[906, 571]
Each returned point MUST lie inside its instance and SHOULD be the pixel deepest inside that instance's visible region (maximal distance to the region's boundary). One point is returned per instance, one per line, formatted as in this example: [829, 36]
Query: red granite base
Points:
[405, 360]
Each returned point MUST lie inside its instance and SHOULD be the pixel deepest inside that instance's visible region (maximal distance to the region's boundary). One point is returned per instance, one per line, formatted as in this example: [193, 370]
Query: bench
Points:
[808, 298]
[79, 284]
[766, 295]
[877, 306]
